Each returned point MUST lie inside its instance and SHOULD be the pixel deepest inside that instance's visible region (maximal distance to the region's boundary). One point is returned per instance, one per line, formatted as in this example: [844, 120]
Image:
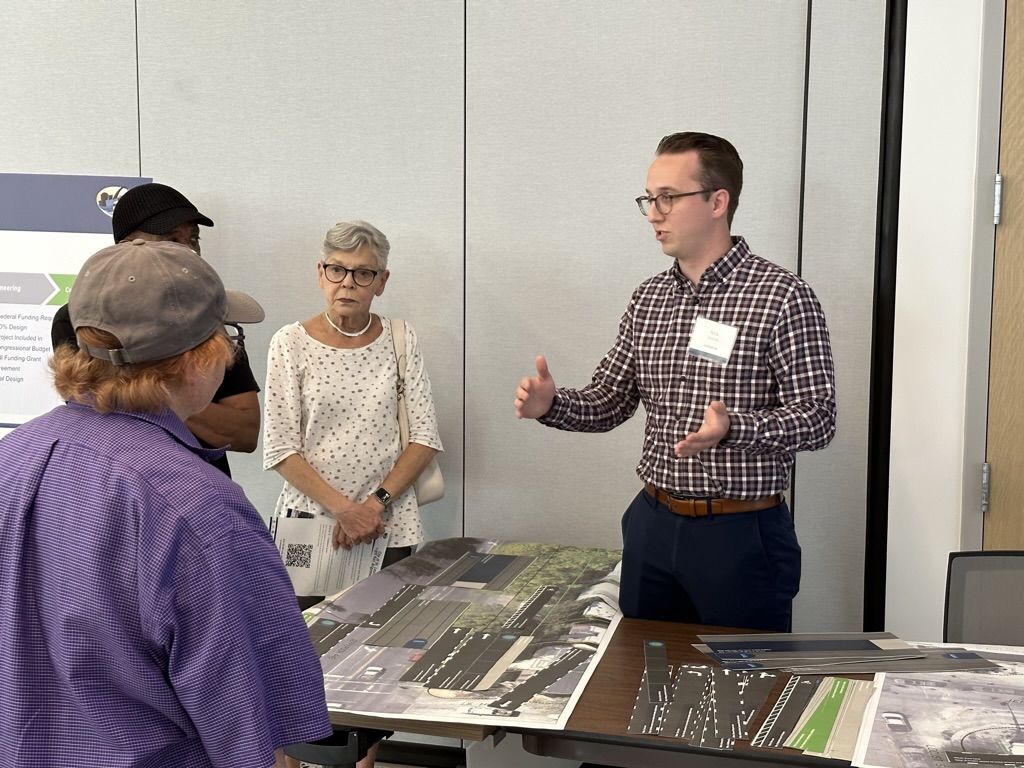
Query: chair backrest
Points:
[984, 601]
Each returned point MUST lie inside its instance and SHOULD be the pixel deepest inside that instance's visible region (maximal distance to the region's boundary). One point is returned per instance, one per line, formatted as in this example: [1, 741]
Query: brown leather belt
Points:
[705, 507]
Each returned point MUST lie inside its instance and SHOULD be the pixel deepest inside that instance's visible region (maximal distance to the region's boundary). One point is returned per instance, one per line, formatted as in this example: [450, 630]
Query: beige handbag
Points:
[429, 486]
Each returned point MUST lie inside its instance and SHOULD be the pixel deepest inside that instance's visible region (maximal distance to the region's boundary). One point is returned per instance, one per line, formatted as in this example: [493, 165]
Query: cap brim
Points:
[164, 221]
[243, 308]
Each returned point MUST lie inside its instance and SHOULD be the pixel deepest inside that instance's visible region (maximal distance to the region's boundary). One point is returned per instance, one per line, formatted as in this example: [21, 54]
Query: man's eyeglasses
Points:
[663, 202]
[337, 274]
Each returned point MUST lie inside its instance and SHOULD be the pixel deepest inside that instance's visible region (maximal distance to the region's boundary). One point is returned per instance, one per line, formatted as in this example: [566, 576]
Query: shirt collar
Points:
[720, 270]
[168, 421]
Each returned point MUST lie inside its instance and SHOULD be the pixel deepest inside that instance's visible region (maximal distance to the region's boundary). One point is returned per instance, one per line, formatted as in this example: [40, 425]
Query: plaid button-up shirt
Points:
[778, 385]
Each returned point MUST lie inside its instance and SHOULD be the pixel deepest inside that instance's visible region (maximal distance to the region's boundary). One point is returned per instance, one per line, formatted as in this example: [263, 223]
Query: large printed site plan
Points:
[471, 630]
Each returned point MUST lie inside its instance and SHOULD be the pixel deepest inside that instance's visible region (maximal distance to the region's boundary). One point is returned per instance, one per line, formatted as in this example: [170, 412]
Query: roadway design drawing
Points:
[471, 630]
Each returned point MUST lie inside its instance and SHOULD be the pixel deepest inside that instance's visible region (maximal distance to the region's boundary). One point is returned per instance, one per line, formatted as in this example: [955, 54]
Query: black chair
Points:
[342, 749]
[983, 594]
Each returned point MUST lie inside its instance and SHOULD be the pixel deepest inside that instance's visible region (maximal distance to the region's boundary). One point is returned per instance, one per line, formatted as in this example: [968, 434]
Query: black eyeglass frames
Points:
[663, 202]
[235, 334]
[337, 274]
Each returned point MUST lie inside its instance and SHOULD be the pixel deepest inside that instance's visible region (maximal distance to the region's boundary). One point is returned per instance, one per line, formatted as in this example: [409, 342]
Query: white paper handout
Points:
[313, 566]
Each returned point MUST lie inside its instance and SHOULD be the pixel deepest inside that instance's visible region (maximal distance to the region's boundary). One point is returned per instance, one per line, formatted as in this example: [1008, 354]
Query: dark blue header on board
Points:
[31, 202]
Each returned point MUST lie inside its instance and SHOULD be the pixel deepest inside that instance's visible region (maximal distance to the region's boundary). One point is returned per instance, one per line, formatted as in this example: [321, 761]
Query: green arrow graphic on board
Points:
[63, 283]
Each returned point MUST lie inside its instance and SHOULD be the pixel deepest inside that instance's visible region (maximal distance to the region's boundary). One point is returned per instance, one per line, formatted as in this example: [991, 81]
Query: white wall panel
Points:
[838, 260]
[279, 120]
[943, 281]
[67, 93]
[566, 104]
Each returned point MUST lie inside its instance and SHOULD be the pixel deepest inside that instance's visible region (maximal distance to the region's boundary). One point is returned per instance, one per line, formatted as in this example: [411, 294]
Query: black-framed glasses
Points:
[663, 202]
[235, 334]
[337, 274]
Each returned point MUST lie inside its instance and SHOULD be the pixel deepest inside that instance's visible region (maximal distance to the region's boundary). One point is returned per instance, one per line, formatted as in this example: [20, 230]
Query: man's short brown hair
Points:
[720, 164]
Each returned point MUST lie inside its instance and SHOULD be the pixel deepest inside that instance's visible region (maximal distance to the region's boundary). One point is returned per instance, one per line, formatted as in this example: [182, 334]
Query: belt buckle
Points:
[691, 507]
[707, 507]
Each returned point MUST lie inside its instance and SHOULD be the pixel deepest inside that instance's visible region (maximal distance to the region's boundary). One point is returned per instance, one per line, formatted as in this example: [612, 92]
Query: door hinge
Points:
[986, 475]
[997, 207]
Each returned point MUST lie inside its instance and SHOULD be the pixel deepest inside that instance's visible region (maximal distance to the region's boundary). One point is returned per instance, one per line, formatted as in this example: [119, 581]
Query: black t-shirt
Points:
[237, 379]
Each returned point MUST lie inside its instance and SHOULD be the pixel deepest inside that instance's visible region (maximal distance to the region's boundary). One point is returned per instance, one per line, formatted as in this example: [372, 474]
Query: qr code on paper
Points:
[298, 556]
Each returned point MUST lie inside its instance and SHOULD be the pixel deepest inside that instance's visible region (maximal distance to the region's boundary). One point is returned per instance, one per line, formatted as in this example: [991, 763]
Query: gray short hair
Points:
[348, 236]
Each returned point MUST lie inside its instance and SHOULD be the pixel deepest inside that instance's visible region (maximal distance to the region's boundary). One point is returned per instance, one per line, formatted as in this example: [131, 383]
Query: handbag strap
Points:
[398, 344]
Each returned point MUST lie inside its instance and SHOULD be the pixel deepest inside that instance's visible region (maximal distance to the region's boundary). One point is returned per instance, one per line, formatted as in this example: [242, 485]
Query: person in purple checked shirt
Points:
[146, 618]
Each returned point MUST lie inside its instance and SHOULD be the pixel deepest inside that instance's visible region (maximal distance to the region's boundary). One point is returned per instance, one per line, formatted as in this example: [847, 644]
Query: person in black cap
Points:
[156, 212]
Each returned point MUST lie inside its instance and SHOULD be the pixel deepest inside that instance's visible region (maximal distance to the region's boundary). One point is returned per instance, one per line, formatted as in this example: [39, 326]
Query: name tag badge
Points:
[712, 341]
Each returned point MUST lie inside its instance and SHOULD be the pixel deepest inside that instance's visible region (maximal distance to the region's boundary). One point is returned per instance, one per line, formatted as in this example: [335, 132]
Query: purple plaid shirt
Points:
[146, 618]
[778, 385]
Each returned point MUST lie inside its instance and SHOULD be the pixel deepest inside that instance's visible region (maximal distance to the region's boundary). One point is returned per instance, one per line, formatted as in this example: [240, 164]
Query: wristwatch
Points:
[382, 496]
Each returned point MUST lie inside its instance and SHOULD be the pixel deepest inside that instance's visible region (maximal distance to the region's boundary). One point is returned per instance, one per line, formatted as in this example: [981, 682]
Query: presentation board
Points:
[49, 226]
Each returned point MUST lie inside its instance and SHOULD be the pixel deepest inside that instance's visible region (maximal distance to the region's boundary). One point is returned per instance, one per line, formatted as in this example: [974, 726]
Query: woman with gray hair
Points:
[331, 422]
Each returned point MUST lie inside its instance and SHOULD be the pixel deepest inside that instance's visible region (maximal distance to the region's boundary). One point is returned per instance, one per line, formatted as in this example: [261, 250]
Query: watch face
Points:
[382, 496]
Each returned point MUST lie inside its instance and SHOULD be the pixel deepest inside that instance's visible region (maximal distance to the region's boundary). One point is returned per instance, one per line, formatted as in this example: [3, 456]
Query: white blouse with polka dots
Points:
[338, 409]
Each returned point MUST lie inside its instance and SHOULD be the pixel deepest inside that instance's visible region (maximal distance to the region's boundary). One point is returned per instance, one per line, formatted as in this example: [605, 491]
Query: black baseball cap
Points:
[153, 208]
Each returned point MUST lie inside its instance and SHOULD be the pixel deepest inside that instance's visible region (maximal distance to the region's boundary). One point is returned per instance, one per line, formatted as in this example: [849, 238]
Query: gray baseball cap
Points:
[158, 298]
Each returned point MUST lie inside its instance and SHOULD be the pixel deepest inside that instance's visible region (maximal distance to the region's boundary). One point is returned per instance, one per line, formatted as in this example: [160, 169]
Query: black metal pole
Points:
[884, 311]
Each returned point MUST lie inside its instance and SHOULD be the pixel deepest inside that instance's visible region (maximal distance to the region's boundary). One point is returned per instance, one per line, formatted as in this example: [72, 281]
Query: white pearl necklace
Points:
[346, 333]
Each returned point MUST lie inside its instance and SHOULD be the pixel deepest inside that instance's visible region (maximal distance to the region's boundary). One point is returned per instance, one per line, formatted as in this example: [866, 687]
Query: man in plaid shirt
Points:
[730, 356]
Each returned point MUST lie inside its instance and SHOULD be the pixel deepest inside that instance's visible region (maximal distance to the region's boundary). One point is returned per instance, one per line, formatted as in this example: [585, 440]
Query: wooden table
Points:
[596, 731]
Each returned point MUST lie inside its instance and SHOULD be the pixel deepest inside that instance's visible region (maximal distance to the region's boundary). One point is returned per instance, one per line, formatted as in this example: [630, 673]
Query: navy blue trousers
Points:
[739, 570]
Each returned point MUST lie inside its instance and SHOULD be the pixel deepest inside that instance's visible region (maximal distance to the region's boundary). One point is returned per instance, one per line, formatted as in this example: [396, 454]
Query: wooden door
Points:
[1004, 522]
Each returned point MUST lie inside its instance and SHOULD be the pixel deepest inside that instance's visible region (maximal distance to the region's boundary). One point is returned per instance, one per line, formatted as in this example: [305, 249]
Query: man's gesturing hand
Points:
[711, 432]
[535, 395]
